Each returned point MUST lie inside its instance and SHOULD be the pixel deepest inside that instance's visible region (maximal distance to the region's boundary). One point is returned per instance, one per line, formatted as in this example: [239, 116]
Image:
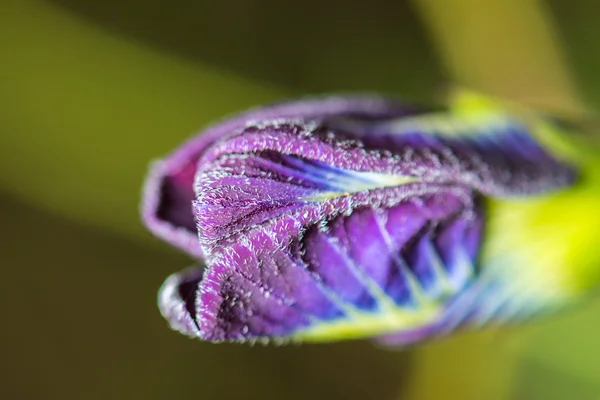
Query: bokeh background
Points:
[92, 90]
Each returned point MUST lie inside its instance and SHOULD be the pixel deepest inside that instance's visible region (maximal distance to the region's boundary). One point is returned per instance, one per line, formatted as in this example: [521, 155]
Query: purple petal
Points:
[338, 218]
[166, 209]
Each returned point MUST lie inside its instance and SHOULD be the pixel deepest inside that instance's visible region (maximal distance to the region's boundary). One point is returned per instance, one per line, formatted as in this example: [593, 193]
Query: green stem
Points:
[507, 49]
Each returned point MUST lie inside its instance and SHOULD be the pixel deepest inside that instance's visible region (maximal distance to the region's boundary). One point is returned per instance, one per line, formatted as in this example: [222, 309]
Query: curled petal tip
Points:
[177, 301]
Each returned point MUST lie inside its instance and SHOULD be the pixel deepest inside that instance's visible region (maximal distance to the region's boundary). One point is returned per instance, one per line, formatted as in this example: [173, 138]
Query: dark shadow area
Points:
[579, 31]
[311, 45]
[80, 322]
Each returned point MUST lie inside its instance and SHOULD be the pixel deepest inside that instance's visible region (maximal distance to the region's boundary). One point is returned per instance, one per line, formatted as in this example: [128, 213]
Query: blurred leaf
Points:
[83, 111]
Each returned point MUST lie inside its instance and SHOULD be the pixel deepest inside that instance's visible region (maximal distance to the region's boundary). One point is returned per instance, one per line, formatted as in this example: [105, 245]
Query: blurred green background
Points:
[92, 90]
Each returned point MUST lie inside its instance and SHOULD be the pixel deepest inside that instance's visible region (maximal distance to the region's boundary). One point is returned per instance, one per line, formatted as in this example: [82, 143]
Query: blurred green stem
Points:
[507, 49]
[467, 366]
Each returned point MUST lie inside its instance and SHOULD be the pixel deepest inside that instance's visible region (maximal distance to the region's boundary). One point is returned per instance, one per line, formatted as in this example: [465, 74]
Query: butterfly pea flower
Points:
[351, 217]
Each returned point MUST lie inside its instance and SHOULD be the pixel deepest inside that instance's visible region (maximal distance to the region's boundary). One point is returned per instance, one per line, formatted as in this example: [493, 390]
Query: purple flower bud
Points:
[336, 218]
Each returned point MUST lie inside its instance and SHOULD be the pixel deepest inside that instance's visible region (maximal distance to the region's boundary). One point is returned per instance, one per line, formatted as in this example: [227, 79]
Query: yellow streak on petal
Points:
[360, 324]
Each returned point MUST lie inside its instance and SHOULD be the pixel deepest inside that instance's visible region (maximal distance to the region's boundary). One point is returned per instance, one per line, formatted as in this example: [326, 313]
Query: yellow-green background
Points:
[91, 90]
